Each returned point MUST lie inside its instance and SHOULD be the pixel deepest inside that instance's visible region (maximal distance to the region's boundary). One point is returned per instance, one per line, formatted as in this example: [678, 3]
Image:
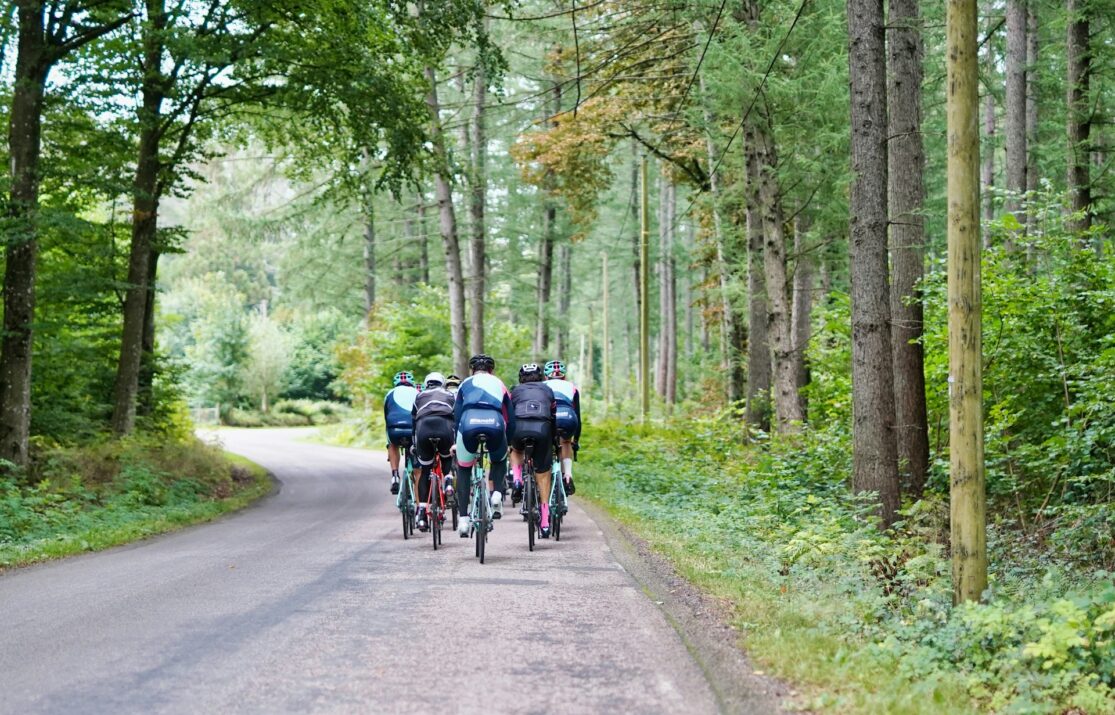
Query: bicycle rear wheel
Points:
[404, 505]
[530, 498]
[433, 511]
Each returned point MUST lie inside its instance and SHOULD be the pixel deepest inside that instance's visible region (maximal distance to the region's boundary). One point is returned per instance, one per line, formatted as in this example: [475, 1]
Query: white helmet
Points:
[434, 379]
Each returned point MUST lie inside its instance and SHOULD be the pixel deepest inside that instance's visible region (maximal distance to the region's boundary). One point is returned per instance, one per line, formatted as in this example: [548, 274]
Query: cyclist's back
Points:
[482, 410]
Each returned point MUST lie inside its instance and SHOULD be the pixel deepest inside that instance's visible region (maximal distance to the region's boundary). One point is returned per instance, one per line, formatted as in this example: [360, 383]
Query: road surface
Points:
[312, 602]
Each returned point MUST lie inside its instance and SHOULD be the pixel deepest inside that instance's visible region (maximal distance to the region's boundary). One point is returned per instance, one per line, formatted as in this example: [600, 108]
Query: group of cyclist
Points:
[445, 418]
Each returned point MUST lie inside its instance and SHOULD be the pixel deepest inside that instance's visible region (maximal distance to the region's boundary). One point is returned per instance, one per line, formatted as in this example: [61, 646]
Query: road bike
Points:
[435, 510]
[559, 501]
[405, 500]
[481, 511]
[530, 509]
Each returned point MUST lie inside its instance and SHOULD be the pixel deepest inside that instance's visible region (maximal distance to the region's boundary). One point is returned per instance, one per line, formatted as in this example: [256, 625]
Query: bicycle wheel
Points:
[405, 504]
[530, 499]
[433, 511]
[556, 509]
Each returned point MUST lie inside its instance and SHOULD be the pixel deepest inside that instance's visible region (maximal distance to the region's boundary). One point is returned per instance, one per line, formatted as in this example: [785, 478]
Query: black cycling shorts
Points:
[542, 435]
[434, 427]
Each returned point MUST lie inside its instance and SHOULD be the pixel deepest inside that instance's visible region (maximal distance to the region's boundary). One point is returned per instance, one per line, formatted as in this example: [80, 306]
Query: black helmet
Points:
[530, 372]
[482, 362]
[452, 381]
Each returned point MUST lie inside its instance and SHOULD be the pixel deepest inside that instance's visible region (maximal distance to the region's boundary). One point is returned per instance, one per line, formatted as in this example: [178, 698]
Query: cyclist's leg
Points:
[465, 459]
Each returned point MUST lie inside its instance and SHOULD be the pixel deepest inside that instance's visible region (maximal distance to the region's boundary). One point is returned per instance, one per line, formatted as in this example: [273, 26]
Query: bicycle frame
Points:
[481, 505]
[405, 501]
[558, 505]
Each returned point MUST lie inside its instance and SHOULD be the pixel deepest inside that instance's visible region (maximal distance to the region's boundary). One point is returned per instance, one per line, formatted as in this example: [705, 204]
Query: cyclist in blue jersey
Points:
[568, 419]
[482, 407]
[397, 408]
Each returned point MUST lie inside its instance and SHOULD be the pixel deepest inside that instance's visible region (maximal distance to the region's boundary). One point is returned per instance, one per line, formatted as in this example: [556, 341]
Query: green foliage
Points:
[1049, 354]
[774, 526]
[74, 499]
[401, 336]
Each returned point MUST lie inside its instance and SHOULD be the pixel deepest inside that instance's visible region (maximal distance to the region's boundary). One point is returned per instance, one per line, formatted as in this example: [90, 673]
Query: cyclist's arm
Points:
[577, 411]
[508, 411]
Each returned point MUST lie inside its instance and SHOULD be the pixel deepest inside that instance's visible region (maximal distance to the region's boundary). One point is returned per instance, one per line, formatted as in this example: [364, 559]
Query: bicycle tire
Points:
[530, 498]
[433, 511]
[404, 507]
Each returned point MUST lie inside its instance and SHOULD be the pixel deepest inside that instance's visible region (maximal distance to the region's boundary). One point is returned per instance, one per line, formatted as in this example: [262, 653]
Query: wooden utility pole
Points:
[607, 338]
[644, 314]
[968, 498]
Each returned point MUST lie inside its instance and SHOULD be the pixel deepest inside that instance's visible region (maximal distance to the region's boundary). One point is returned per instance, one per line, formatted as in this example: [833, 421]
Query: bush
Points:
[774, 527]
[76, 498]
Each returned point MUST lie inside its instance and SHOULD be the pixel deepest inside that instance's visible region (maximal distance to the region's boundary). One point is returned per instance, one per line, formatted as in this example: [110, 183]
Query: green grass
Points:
[772, 531]
[76, 500]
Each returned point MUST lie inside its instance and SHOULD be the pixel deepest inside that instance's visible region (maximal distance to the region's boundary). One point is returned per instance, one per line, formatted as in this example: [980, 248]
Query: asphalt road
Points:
[312, 602]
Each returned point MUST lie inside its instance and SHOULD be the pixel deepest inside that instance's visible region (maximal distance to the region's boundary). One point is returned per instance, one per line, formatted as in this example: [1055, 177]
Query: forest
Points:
[740, 222]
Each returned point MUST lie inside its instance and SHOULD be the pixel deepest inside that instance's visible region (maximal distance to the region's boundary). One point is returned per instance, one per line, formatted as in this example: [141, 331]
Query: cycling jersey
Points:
[397, 407]
[568, 399]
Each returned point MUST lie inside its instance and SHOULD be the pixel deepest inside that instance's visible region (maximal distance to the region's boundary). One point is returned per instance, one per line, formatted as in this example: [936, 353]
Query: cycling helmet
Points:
[434, 379]
[555, 369]
[406, 377]
[530, 372]
[452, 381]
[482, 362]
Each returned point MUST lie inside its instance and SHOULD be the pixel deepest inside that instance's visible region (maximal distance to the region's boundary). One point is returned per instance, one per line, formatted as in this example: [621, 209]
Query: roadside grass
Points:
[77, 499]
[858, 621]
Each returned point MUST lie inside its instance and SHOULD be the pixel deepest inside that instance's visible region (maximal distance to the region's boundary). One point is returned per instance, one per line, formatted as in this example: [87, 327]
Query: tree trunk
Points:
[1015, 120]
[757, 412]
[663, 291]
[147, 366]
[546, 248]
[874, 453]
[478, 199]
[727, 318]
[671, 326]
[1031, 96]
[423, 240]
[448, 225]
[370, 258]
[21, 251]
[968, 498]
[145, 197]
[987, 174]
[1079, 60]
[906, 195]
[635, 232]
[767, 199]
[801, 331]
[545, 279]
[565, 294]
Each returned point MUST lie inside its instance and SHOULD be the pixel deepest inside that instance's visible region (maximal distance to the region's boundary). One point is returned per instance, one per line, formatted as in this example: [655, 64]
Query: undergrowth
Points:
[828, 601]
[73, 499]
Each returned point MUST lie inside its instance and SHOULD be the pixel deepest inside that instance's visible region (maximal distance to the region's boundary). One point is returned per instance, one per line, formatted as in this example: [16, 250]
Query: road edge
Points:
[701, 622]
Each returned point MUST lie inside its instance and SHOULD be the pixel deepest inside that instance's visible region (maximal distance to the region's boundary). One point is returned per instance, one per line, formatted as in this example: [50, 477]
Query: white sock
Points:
[496, 497]
[567, 467]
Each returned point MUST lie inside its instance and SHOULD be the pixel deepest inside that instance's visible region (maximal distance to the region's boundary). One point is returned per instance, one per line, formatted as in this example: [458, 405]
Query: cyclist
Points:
[397, 408]
[482, 407]
[535, 411]
[433, 421]
[452, 383]
[568, 417]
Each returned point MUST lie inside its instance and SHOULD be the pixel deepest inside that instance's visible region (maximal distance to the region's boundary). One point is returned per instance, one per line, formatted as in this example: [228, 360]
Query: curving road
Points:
[312, 602]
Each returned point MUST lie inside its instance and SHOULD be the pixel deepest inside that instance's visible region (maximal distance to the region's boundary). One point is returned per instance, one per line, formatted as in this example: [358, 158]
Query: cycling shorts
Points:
[567, 423]
[541, 432]
[477, 422]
